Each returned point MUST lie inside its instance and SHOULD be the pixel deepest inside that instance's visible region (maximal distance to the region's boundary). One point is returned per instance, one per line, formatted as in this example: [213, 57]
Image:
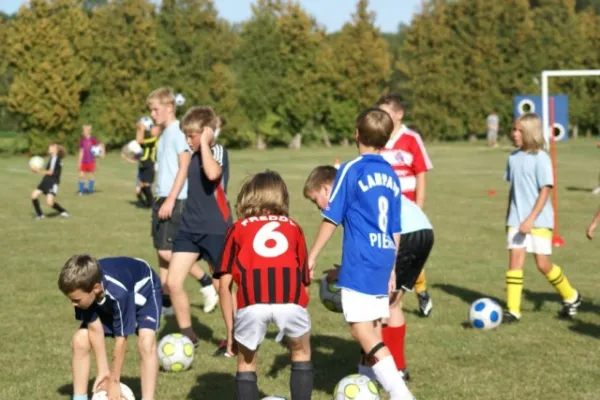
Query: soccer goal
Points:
[549, 127]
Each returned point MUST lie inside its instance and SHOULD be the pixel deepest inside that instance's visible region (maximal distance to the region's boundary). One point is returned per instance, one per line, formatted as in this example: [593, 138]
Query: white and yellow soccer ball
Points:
[356, 387]
[485, 314]
[126, 393]
[96, 150]
[36, 162]
[147, 123]
[175, 352]
[330, 296]
[179, 100]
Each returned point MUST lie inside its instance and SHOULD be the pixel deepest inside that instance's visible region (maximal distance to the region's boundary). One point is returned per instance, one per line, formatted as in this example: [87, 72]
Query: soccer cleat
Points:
[405, 374]
[64, 214]
[596, 191]
[222, 350]
[425, 304]
[569, 309]
[39, 217]
[211, 298]
[168, 311]
[509, 317]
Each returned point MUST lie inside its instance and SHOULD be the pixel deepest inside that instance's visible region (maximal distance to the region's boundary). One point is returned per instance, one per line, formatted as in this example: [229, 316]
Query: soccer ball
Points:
[175, 352]
[96, 150]
[179, 100]
[134, 148]
[330, 296]
[147, 122]
[126, 393]
[36, 162]
[356, 387]
[485, 314]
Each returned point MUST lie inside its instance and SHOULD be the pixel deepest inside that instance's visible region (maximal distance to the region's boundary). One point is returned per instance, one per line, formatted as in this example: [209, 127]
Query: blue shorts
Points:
[147, 315]
[208, 246]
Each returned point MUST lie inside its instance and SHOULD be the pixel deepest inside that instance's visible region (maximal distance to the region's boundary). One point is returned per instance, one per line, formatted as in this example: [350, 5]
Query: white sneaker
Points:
[168, 311]
[596, 191]
[211, 298]
[64, 214]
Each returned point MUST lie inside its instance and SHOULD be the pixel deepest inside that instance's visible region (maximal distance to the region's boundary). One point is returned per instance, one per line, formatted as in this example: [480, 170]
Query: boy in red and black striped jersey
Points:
[265, 256]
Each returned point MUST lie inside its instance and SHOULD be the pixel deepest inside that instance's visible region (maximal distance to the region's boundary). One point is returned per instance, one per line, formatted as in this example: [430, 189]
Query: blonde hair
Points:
[164, 96]
[374, 127]
[199, 117]
[319, 176]
[531, 132]
[80, 272]
[265, 193]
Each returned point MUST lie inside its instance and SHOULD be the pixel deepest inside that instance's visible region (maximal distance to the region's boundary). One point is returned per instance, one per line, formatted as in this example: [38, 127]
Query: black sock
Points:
[166, 300]
[36, 205]
[58, 208]
[301, 380]
[205, 280]
[246, 386]
[189, 333]
[148, 194]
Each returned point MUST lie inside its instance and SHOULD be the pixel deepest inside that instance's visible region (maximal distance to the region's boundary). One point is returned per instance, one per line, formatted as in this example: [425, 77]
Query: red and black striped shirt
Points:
[267, 259]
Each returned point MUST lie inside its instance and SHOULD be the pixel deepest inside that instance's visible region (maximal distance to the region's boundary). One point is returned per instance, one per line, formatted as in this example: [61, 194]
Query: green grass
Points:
[540, 358]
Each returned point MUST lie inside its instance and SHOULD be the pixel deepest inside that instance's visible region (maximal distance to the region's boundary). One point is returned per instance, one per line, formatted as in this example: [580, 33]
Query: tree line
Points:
[279, 78]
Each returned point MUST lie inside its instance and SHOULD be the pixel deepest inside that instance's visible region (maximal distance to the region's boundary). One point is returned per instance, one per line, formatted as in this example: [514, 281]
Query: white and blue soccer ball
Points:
[147, 123]
[126, 393]
[134, 148]
[36, 162]
[331, 296]
[485, 314]
[175, 352]
[96, 150]
[356, 387]
[179, 100]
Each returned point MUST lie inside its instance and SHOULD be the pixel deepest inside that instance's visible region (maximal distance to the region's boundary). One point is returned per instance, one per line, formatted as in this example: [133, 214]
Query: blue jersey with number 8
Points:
[365, 199]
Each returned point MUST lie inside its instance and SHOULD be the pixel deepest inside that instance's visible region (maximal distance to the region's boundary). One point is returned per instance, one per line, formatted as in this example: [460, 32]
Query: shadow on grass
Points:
[210, 383]
[539, 298]
[333, 358]
[465, 294]
[133, 383]
[205, 333]
[586, 328]
[138, 204]
[579, 189]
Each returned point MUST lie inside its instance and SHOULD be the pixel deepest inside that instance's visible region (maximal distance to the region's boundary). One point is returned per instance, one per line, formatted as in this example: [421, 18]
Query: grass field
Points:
[540, 358]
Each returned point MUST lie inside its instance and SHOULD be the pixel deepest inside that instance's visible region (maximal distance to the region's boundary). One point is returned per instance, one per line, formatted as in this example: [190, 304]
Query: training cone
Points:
[557, 241]
[336, 163]
[491, 192]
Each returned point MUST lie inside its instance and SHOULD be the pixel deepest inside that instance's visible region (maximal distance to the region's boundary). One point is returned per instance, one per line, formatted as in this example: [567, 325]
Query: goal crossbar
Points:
[545, 106]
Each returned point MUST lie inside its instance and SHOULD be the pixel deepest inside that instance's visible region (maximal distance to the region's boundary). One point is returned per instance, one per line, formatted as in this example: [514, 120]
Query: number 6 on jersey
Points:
[267, 235]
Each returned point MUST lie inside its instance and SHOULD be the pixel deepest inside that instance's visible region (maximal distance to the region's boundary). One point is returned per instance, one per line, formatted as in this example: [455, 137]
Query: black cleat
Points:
[569, 309]
[425, 304]
[509, 318]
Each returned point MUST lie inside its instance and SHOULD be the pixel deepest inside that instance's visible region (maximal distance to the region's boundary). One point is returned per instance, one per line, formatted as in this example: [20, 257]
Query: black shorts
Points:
[164, 231]
[412, 255]
[208, 245]
[48, 185]
[146, 174]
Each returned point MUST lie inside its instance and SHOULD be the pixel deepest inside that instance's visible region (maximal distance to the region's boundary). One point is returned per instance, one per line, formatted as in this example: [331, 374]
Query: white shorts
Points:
[252, 322]
[539, 241]
[360, 307]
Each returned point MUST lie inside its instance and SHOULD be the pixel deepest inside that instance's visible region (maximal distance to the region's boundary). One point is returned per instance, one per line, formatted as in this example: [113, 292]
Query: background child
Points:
[366, 200]
[116, 297]
[146, 163]
[272, 283]
[206, 215]
[414, 249]
[406, 153]
[530, 218]
[87, 162]
[50, 182]
[592, 227]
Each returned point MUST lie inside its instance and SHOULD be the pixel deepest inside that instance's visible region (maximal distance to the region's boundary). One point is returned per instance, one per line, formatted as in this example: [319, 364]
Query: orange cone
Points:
[336, 163]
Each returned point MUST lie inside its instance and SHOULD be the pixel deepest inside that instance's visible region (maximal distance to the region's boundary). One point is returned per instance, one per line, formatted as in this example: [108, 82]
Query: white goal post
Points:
[545, 95]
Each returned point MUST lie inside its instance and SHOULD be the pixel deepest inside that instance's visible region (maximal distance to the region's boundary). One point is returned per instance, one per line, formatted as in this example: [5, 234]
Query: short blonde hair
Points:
[319, 176]
[374, 127]
[165, 96]
[80, 272]
[198, 118]
[532, 134]
[265, 193]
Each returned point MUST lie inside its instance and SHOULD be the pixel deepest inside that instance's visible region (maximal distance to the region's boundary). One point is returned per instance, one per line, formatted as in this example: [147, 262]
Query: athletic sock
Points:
[36, 205]
[514, 288]
[301, 380]
[393, 338]
[561, 283]
[246, 385]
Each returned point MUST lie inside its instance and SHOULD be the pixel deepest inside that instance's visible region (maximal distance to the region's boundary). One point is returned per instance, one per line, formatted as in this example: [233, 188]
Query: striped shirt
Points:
[406, 153]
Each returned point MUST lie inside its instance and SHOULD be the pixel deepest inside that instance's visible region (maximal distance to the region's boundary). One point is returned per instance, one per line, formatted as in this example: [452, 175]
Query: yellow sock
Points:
[514, 288]
[421, 283]
[561, 283]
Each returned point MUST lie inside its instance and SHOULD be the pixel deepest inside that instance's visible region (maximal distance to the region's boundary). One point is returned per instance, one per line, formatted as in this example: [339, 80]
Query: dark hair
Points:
[392, 99]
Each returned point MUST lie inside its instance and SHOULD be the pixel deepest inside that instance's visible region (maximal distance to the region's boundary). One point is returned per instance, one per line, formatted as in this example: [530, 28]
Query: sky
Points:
[331, 13]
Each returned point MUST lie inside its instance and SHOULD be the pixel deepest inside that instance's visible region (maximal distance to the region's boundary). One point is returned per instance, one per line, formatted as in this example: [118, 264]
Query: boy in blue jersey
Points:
[366, 200]
[115, 297]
